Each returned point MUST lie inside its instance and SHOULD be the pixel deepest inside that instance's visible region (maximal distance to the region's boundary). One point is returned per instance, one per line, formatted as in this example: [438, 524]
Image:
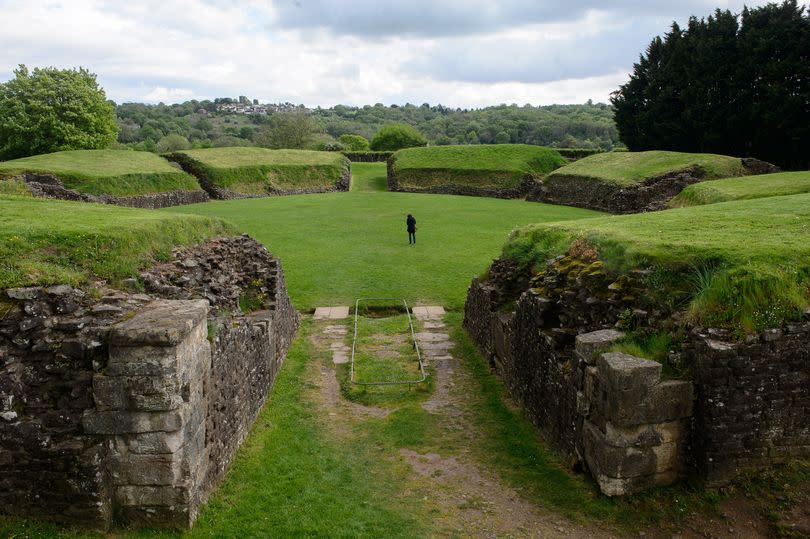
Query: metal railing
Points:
[413, 339]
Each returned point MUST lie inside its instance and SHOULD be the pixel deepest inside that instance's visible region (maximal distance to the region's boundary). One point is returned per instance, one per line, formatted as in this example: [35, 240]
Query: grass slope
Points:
[336, 247]
[739, 264]
[495, 166]
[106, 172]
[626, 169]
[255, 170]
[69, 240]
[744, 188]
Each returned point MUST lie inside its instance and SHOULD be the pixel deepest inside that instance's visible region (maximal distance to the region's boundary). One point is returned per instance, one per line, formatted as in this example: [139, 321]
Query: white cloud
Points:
[471, 53]
[168, 95]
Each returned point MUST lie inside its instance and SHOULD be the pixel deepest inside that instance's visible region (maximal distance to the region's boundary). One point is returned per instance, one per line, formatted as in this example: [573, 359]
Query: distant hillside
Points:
[205, 123]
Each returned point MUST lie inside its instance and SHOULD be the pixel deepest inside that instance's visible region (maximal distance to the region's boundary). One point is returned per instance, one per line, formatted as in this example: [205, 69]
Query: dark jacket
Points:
[411, 222]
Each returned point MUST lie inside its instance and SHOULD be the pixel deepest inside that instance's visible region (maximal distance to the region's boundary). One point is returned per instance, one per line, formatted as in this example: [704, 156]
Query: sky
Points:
[460, 53]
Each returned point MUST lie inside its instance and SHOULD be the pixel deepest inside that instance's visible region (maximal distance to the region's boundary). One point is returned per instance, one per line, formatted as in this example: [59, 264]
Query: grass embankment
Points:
[337, 247]
[256, 171]
[744, 188]
[490, 166]
[48, 242]
[626, 169]
[742, 265]
[105, 172]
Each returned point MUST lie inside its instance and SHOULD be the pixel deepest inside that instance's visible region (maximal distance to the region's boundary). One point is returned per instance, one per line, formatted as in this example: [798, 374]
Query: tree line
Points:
[728, 84]
[201, 124]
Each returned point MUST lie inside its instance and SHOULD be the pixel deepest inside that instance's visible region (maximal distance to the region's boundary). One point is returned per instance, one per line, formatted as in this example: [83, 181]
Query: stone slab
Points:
[596, 342]
[160, 323]
[427, 312]
[331, 313]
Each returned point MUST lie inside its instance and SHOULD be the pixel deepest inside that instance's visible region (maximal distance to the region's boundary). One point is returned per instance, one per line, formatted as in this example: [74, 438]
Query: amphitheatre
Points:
[589, 345]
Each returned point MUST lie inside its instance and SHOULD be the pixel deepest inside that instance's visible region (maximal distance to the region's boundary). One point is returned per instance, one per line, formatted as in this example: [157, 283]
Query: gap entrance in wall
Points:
[384, 347]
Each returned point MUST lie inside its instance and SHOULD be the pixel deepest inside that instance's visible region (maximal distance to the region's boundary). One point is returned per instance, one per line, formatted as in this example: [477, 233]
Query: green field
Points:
[336, 247]
[743, 265]
[69, 240]
[493, 166]
[257, 171]
[631, 168]
[744, 188]
[106, 172]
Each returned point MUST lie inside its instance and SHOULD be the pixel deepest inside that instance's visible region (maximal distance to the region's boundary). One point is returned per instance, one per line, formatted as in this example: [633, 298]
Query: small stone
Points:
[9, 416]
[59, 290]
[23, 293]
[105, 308]
[771, 334]
[30, 323]
[189, 263]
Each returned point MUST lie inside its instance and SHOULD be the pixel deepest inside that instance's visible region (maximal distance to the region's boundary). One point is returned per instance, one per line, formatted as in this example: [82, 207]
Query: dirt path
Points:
[464, 498]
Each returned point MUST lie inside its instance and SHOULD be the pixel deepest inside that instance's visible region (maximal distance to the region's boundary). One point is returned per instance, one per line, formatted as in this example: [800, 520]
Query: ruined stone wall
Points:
[744, 406]
[116, 407]
[651, 195]
[753, 400]
[527, 185]
[343, 183]
[48, 186]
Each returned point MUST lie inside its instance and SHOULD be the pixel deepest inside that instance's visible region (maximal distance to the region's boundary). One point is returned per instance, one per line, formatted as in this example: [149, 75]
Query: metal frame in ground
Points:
[413, 340]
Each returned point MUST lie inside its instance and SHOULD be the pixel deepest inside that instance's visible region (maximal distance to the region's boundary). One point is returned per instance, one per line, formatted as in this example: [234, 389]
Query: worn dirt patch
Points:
[472, 503]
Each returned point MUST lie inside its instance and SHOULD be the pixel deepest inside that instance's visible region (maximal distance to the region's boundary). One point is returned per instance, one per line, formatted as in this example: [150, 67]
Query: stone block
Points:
[136, 469]
[644, 435]
[137, 393]
[589, 345]
[141, 495]
[174, 516]
[156, 442]
[659, 403]
[160, 323]
[622, 470]
[623, 372]
[122, 422]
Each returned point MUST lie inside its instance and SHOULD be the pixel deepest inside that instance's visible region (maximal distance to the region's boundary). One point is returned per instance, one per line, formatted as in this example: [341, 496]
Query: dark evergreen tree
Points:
[724, 84]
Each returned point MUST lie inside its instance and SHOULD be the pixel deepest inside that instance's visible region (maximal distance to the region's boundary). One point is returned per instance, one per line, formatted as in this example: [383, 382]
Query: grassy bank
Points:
[742, 265]
[256, 171]
[67, 241]
[494, 166]
[744, 188]
[632, 168]
[105, 172]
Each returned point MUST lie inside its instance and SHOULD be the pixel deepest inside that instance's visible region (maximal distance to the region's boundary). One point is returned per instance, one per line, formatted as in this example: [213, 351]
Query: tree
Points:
[289, 130]
[724, 84]
[172, 143]
[50, 110]
[354, 143]
[396, 136]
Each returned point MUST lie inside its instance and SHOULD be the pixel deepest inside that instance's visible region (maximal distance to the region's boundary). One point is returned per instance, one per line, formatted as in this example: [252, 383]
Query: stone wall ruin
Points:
[741, 406]
[126, 408]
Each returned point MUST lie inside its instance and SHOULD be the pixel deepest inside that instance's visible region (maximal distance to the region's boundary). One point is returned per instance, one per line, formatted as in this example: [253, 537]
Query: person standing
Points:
[411, 222]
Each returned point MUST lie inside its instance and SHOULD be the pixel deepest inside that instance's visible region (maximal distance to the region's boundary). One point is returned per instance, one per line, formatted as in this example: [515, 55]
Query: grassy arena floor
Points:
[339, 246]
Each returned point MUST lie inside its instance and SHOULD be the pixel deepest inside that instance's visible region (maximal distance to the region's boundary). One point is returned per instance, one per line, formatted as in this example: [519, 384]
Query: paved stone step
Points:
[428, 312]
[339, 357]
[433, 325]
[331, 313]
[432, 337]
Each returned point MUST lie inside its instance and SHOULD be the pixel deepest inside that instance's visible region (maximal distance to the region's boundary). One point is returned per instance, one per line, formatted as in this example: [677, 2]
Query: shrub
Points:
[393, 137]
[354, 143]
[172, 143]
